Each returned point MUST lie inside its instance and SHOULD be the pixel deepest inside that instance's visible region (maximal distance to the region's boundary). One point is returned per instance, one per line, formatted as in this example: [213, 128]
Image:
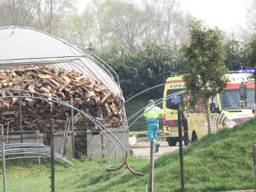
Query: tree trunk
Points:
[208, 116]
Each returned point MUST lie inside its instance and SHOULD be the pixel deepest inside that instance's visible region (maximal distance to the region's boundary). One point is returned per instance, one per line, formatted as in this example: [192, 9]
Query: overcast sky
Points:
[228, 15]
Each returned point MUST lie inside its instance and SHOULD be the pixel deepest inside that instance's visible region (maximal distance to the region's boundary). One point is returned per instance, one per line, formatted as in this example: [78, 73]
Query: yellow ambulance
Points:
[227, 109]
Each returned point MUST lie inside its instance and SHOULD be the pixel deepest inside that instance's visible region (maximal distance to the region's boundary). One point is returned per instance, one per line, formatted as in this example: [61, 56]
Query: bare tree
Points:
[81, 28]
[121, 23]
[17, 12]
[51, 13]
[252, 14]
[163, 16]
[43, 14]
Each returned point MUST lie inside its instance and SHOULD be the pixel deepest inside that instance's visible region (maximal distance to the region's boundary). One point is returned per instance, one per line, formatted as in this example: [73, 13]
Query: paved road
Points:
[142, 149]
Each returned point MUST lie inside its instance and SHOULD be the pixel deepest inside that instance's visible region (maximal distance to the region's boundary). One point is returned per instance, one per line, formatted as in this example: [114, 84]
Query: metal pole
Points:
[20, 121]
[151, 167]
[52, 151]
[181, 150]
[102, 146]
[72, 128]
[37, 137]
[7, 132]
[254, 164]
[3, 160]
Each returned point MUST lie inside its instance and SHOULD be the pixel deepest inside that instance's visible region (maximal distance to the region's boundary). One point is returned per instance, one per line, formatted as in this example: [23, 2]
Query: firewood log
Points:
[60, 84]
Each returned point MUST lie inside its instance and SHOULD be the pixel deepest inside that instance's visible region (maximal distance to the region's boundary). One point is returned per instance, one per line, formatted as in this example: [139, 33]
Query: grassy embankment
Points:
[217, 163]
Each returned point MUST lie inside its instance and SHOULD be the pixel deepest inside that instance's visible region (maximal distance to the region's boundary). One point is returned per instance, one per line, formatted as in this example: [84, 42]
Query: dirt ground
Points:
[142, 149]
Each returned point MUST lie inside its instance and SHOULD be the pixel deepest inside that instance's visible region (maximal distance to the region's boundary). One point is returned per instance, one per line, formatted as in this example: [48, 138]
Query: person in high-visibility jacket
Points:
[153, 116]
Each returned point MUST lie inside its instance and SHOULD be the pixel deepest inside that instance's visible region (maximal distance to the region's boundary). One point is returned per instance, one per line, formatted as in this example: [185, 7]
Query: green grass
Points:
[85, 175]
[218, 162]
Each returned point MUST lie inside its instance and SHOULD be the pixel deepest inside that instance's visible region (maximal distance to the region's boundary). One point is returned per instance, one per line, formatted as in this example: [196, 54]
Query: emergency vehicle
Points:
[234, 105]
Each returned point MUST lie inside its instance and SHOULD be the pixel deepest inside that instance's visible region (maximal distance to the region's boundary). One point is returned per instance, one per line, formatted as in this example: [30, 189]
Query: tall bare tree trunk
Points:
[51, 17]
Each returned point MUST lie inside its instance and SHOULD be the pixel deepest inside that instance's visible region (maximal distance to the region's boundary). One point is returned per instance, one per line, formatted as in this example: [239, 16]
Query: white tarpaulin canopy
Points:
[24, 46]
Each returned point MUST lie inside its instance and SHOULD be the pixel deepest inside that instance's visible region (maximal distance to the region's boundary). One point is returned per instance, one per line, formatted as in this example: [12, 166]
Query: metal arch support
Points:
[76, 109]
[126, 165]
[73, 108]
[125, 162]
[157, 102]
[55, 100]
[30, 150]
[144, 91]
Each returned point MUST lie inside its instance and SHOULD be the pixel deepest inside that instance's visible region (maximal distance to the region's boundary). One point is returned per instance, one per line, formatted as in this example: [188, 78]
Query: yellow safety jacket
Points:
[153, 114]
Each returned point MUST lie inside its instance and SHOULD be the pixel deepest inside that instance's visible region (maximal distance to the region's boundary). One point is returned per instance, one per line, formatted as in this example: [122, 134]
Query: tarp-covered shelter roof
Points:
[21, 46]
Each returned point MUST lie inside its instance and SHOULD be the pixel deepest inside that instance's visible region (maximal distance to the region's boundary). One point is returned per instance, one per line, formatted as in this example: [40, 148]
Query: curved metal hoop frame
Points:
[126, 165]
[104, 130]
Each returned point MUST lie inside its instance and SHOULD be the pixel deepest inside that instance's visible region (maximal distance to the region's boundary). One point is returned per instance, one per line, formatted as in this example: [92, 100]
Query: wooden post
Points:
[254, 165]
[3, 160]
[20, 121]
[151, 167]
[37, 132]
[102, 146]
[181, 150]
[52, 151]
[72, 128]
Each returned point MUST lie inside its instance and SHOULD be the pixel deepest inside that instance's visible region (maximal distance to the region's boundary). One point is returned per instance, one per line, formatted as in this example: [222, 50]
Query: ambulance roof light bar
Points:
[247, 70]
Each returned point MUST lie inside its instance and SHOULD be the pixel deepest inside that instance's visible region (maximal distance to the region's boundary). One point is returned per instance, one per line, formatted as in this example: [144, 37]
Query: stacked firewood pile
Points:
[88, 95]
